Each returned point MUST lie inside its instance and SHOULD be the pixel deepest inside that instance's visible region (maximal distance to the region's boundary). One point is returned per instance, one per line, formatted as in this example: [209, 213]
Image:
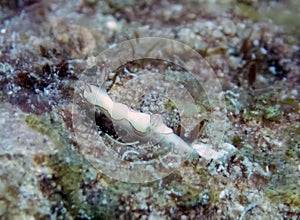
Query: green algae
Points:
[283, 188]
[69, 170]
[264, 106]
[248, 115]
[117, 5]
[285, 14]
[44, 124]
[282, 185]
[293, 152]
[290, 102]
[71, 176]
[24, 37]
[237, 141]
[81, 187]
[270, 113]
[250, 12]
[292, 136]
[214, 195]
[288, 194]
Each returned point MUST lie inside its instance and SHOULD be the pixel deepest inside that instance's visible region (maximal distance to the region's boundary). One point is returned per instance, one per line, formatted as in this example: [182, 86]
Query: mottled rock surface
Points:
[253, 49]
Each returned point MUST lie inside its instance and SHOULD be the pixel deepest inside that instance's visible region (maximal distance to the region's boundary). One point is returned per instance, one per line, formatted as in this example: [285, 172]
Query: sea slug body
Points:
[143, 126]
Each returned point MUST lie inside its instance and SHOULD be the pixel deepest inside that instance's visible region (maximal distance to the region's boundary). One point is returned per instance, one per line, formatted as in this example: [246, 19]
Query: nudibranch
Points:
[141, 126]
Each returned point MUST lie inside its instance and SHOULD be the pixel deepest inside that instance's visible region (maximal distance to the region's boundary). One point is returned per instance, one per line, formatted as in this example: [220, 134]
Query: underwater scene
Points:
[127, 109]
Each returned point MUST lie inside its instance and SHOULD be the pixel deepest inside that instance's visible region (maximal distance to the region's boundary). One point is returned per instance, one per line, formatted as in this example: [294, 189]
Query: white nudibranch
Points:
[143, 127]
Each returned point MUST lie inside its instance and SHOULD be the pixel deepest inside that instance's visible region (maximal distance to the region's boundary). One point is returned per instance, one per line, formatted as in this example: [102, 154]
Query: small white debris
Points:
[263, 50]
[220, 74]
[46, 91]
[3, 31]
[224, 194]
[294, 92]
[184, 217]
[204, 197]
[256, 42]
[272, 69]
[112, 25]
